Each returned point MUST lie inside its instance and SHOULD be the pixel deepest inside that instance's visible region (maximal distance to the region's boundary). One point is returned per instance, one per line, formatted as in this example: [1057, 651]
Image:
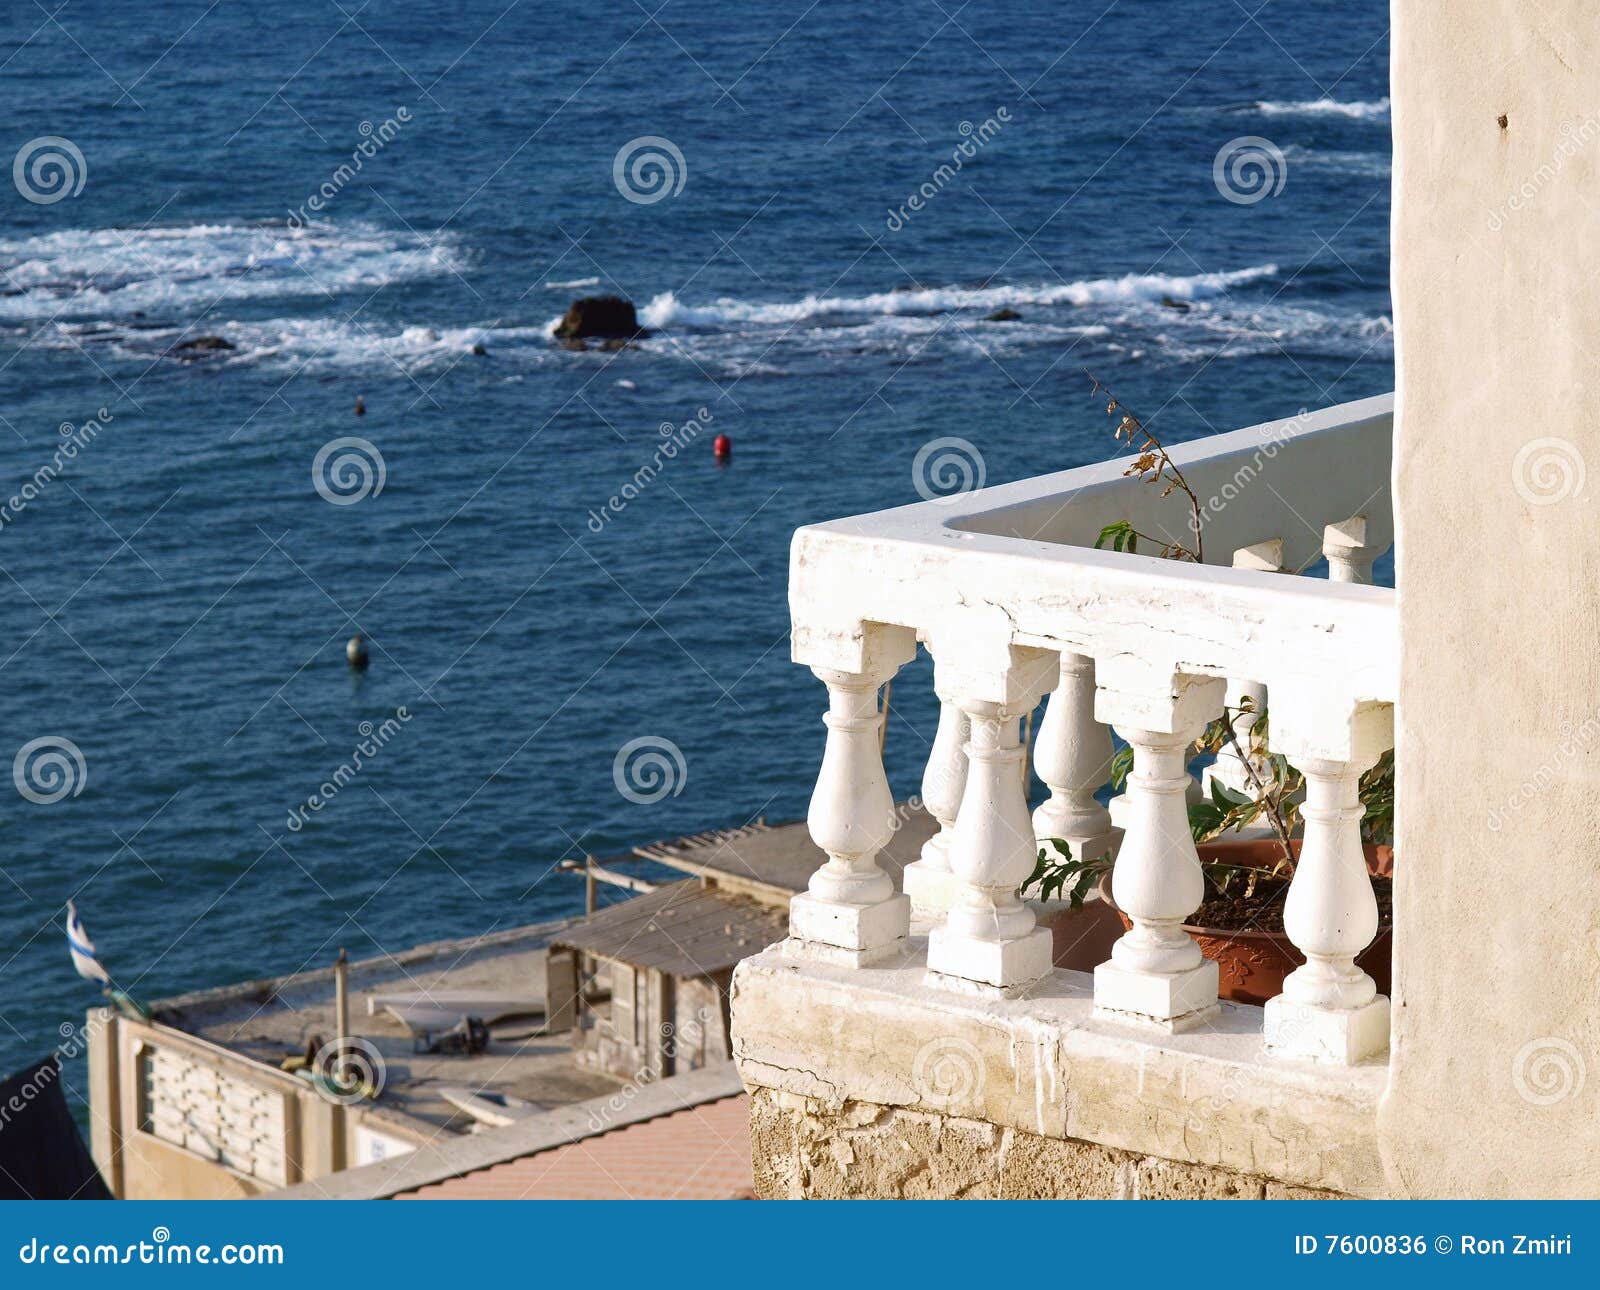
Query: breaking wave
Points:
[1376, 110]
[121, 271]
[666, 310]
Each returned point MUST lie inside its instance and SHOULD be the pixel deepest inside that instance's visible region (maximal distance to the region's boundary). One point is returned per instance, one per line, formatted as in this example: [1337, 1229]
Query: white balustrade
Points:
[1005, 588]
[1072, 755]
[1157, 975]
[989, 935]
[850, 911]
[1348, 552]
[1330, 1009]
[1245, 701]
[928, 881]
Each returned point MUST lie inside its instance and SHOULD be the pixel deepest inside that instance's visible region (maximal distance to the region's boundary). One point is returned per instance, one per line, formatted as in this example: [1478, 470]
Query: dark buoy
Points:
[361, 407]
[722, 448]
[355, 650]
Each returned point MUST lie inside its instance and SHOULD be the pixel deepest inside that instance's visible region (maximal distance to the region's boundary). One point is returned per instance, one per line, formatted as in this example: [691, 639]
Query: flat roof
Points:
[684, 928]
[777, 861]
[271, 1019]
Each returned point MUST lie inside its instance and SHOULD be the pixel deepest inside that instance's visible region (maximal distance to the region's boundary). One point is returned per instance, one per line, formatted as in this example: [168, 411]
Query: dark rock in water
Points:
[607, 317]
[200, 346]
[479, 350]
[572, 342]
[1180, 305]
[1004, 315]
[614, 344]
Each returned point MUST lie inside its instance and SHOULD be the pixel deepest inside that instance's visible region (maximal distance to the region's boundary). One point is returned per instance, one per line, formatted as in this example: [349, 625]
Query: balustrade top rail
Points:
[1014, 565]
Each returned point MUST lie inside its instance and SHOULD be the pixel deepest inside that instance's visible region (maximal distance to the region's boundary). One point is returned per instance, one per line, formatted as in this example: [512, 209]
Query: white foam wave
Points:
[666, 310]
[576, 282]
[1376, 110]
[120, 271]
[1374, 165]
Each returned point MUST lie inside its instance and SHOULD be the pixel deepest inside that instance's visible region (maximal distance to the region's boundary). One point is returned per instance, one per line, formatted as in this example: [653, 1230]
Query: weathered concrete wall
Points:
[806, 1149]
[1495, 1086]
[869, 1081]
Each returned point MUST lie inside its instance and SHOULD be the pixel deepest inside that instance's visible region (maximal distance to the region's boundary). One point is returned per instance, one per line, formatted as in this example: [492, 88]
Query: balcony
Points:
[926, 1033]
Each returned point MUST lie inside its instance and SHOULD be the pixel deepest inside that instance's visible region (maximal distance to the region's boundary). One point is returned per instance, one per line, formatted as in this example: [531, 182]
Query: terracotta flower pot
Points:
[1252, 964]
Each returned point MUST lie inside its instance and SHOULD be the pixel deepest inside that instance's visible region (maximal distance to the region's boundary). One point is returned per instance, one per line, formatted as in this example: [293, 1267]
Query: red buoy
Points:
[722, 447]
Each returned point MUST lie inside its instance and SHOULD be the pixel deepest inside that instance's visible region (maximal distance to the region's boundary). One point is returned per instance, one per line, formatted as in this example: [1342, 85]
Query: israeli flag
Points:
[82, 948]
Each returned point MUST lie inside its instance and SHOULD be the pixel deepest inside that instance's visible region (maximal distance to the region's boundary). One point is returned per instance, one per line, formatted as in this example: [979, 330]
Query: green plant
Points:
[1155, 466]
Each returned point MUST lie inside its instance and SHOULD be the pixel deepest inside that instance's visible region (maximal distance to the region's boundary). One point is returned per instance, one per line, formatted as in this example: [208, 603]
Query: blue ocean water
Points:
[177, 596]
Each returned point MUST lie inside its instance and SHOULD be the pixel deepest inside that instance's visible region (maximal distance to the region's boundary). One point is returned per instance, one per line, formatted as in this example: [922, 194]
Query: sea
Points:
[577, 639]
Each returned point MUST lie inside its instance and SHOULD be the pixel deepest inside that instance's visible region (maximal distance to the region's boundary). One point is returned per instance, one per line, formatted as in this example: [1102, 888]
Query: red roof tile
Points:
[700, 1153]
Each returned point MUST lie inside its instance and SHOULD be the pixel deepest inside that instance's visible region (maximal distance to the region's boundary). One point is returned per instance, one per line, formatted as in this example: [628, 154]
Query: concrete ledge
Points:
[1046, 1066]
[455, 1154]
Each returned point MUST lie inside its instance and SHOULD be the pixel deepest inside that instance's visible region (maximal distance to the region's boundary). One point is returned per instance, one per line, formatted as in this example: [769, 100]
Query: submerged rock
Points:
[1004, 315]
[604, 317]
[1180, 305]
[200, 346]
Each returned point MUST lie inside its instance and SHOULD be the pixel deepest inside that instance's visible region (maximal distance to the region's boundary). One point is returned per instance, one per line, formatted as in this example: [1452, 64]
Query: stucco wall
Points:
[1495, 1084]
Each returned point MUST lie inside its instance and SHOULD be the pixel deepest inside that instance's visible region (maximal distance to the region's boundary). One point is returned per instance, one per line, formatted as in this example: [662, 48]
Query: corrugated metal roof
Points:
[684, 929]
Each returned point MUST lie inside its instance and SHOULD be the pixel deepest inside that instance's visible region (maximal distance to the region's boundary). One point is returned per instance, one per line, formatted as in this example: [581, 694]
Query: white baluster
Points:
[928, 881]
[989, 936]
[1330, 1010]
[1230, 769]
[1157, 974]
[1348, 554]
[850, 912]
[1073, 756]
